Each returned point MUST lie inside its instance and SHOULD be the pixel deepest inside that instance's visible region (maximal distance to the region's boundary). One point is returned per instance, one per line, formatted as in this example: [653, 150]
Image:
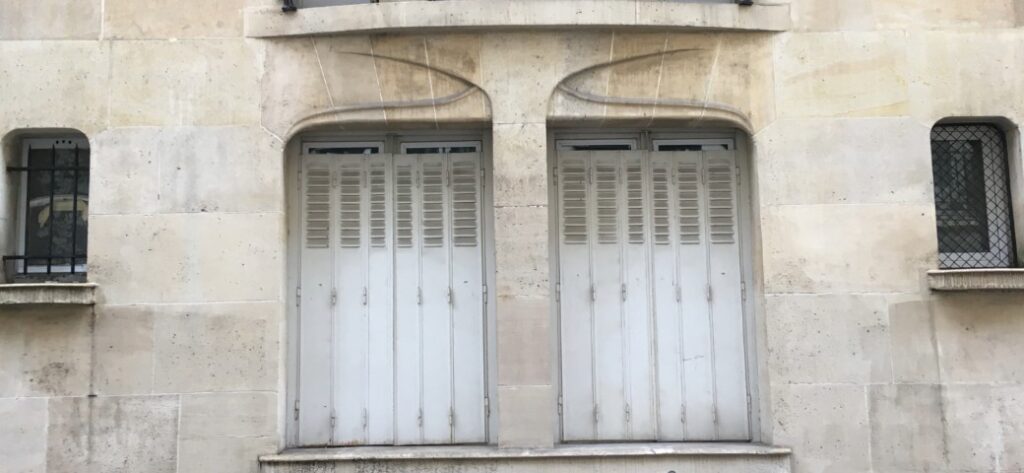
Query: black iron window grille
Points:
[53, 210]
[972, 197]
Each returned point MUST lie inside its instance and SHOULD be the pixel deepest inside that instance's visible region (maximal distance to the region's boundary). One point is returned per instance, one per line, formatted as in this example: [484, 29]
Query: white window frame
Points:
[26, 145]
[755, 328]
[570, 144]
[307, 147]
[729, 143]
[387, 143]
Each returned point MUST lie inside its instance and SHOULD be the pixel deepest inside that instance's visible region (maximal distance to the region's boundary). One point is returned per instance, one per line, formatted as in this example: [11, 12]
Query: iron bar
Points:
[53, 190]
[74, 213]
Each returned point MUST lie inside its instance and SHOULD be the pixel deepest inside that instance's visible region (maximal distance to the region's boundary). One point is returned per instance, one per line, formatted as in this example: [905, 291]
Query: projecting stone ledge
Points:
[77, 294]
[976, 280]
[491, 15]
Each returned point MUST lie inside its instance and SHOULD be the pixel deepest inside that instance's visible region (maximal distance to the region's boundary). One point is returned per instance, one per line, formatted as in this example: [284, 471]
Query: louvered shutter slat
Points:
[380, 297]
[408, 296]
[688, 177]
[573, 173]
[721, 200]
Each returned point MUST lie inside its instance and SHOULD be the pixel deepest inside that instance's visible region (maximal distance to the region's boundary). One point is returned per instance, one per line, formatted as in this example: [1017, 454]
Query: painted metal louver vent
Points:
[606, 190]
[721, 201]
[660, 202]
[350, 183]
[378, 203]
[404, 187]
[465, 201]
[432, 212]
[652, 318]
[318, 207]
[688, 177]
[635, 214]
[573, 188]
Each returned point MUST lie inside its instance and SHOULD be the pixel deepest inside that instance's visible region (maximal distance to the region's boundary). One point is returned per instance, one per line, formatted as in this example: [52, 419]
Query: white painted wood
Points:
[408, 300]
[726, 305]
[650, 284]
[468, 332]
[316, 313]
[350, 325]
[380, 387]
[576, 307]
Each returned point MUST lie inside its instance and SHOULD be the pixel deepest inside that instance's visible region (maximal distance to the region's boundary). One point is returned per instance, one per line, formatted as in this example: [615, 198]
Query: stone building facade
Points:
[199, 339]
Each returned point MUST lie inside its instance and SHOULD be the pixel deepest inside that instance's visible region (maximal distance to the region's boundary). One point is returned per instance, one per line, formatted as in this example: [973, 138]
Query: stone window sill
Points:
[70, 294]
[488, 15]
[346, 454]
[976, 280]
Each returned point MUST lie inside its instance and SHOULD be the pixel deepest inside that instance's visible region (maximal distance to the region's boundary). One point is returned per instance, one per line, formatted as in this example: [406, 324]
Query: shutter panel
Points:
[408, 299]
[694, 312]
[637, 317]
[350, 265]
[668, 336]
[467, 305]
[435, 310]
[726, 306]
[575, 295]
[316, 313]
[380, 303]
[609, 325]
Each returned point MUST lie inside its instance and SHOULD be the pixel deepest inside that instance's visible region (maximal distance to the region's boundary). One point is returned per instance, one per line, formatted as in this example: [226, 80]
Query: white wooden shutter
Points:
[316, 319]
[650, 286]
[408, 300]
[469, 383]
[380, 300]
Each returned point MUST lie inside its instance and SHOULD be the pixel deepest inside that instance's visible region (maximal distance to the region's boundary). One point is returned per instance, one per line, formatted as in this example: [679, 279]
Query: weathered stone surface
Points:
[914, 350]
[521, 246]
[216, 347]
[828, 425]
[831, 161]
[190, 257]
[44, 351]
[841, 75]
[186, 169]
[524, 342]
[210, 83]
[124, 350]
[976, 336]
[41, 91]
[525, 416]
[226, 432]
[50, 19]
[847, 248]
[113, 434]
[23, 435]
[520, 165]
[907, 431]
[828, 339]
[131, 19]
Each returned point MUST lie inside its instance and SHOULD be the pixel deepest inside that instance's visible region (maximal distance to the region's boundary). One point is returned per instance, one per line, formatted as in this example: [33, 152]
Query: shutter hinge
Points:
[298, 296]
[707, 292]
[451, 417]
[334, 296]
[558, 292]
[679, 293]
[625, 292]
[597, 413]
[334, 419]
[682, 413]
[737, 175]
[296, 409]
[366, 418]
[485, 294]
[554, 176]
[419, 296]
[451, 296]
[560, 405]
[743, 290]
[419, 418]
[366, 296]
[629, 413]
[593, 293]
[487, 406]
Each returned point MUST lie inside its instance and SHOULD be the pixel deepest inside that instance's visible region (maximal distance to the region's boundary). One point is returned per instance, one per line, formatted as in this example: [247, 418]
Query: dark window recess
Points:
[55, 209]
[972, 197]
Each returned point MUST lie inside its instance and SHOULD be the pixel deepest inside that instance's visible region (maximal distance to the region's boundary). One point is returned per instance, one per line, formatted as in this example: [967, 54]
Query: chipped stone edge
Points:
[48, 294]
[976, 280]
[347, 454]
[489, 15]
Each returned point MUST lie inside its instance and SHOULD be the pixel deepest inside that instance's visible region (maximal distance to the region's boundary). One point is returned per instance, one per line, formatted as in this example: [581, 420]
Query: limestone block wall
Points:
[182, 364]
